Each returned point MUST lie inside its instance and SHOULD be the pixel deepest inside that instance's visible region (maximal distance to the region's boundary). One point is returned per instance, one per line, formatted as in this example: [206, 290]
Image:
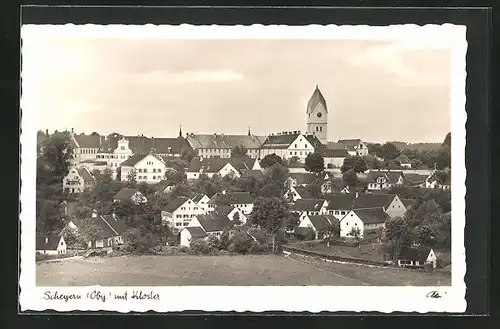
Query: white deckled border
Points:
[257, 299]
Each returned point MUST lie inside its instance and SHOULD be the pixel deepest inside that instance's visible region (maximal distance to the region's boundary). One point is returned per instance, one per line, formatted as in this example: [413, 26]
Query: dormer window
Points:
[122, 148]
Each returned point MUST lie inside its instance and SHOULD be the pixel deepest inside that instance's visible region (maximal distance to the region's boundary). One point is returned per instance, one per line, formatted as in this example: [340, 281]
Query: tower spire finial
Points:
[180, 130]
[249, 131]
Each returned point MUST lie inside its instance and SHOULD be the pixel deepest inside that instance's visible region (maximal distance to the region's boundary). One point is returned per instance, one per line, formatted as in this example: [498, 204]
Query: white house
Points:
[295, 193]
[85, 147]
[241, 200]
[411, 257]
[78, 179]
[384, 180]
[190, 233]
[180, 211]
[202, 201]
[390, 203]
[334, 158]
[318, 223]
[236, 166]
[340, 204]
[231, 213]
[221, 145]
[51, 244]
[212, 224]
[290, 144]
[310, 206]
[355, 147]
[110, 230]
[147, 168]
[363, 220]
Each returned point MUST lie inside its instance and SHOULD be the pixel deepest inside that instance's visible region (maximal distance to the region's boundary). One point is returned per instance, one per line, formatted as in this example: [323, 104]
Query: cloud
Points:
[392, 58]
[211, 76]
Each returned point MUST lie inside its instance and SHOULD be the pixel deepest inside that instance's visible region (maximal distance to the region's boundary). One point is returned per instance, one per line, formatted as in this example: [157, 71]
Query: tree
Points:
[131, 179]
[388, 151]
[57, 155]
[315, 162]
[270, 159]
[119, 173]
[426, 236]
[332, 232]
[356, 233]
[355, 163]
[180, 190]
[270, 190]
[447, 140]
[236, 218]
[393, 164]
[270, 214]
[48, 216]
[176, 176]
[276, 174]
[292, 221]
[372, 162]
[441, 176]
[396, 230]
[239, 151]
[350, 178]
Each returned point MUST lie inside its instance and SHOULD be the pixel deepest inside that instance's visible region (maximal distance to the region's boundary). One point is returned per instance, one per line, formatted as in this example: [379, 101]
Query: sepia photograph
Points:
[253, 157]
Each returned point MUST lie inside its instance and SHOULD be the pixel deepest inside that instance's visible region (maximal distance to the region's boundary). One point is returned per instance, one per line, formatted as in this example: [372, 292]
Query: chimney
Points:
[72, 131]
[46, 132]
[46, 239]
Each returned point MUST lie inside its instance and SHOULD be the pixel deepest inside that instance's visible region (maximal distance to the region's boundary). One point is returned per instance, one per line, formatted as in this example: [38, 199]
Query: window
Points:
[145, 170]
[154, 170]
[158, 170]
[295, 152]
[122, 148]
[305, 146]
[320, 128]
[154, 177]
[295, 145]
[300, 152]
[291, 153]
[178, 216]
[336, 212]
[178, 224]
[317, 129]
[342, 212]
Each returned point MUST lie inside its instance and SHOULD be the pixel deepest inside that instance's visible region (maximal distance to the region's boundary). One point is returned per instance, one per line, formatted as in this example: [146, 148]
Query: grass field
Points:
[223, 270]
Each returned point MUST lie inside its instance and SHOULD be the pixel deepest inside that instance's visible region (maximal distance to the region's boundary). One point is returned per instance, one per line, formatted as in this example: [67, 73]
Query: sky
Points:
[375, 90]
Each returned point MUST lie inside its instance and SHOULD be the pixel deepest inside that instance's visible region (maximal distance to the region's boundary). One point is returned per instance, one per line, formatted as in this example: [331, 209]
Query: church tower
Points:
[317, 116]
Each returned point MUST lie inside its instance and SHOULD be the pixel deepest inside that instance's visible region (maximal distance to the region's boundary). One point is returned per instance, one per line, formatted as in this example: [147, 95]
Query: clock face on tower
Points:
[319, 114]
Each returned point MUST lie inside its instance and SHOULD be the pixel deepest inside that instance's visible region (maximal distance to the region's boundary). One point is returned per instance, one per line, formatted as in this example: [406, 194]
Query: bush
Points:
[173, 250]
[138, 242]
[200, 246]
[240, 243]
[258, 248]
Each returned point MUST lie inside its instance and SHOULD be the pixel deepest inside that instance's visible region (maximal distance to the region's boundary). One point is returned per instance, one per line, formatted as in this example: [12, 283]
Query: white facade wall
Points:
[149, 170]
[203, 203]
[396, 208]
[73, 182]
[348, 222]
[183, 215]
[333, 162]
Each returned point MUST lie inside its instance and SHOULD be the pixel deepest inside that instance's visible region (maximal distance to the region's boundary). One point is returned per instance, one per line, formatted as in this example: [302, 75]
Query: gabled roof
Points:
[230, 198]
[371, 216]
[52, 242]
[315, 142]
[196, 231]
[218, 141]
[321, 222]
[304, 192]
[116, 224]
[281, 141]
[415, 178]
[224, 210]
[143, 144]
[335, 146]
[392, 176]
[214, 222]
[89, 141]
[316, 98]
[308, 204]
[134, 159]
[333, 153]
[414, 254]
[86, 175]
[175, 204]
[164, 184]
[197, 198]
[340, 201]
[303, 178]
[257, 174]
[349, 142]
[214, 165]
[373, 200]
[125, 194]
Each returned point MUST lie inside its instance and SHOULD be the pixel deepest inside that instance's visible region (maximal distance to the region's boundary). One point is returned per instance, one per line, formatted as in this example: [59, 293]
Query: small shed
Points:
[417, 257]
[52, 244]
